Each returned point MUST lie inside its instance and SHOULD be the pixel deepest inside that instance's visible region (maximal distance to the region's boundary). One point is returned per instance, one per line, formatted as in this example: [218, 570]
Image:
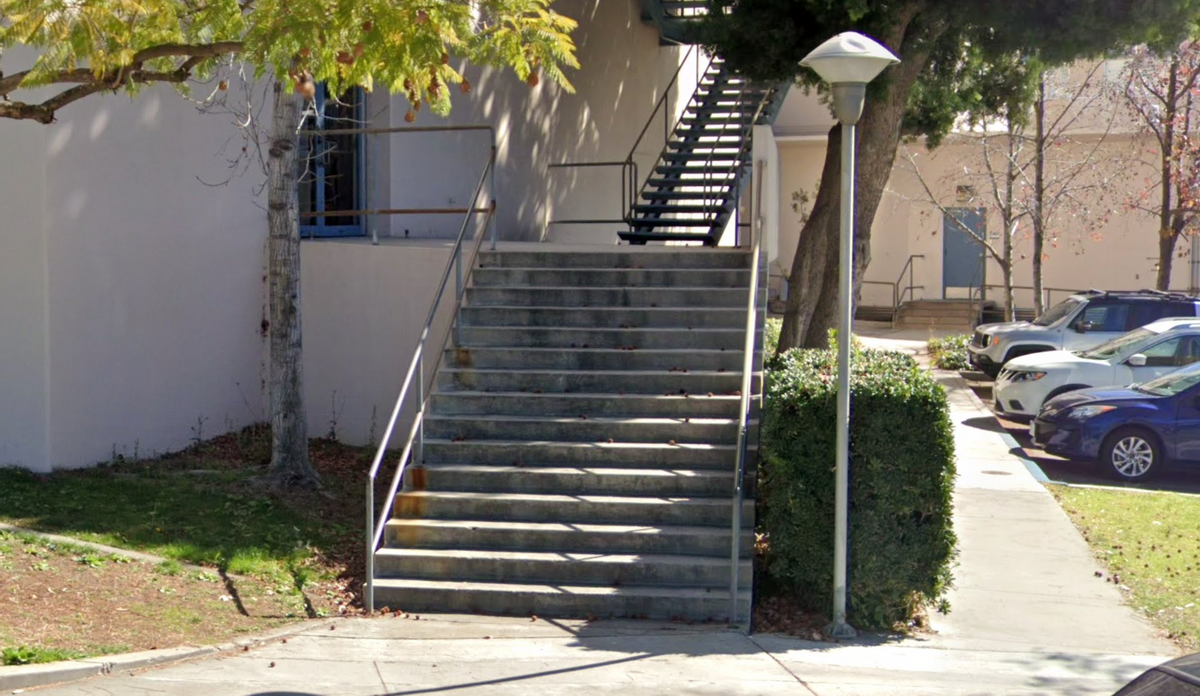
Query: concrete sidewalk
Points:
[1028, 616]
[472, 655]
[1026, 579]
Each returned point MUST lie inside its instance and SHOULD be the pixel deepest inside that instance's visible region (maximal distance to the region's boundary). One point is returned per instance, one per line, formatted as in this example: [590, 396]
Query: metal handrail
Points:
[908, 266]
[629, 167]
[747, 378]
[1049, 292]
[413, 447]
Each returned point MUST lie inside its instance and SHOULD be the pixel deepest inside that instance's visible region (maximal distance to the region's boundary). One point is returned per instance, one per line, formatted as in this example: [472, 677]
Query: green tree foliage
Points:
[958, 57]
[407, 46]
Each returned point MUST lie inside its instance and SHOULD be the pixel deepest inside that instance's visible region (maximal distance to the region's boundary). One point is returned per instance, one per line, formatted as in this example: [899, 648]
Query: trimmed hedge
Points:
[901, 476]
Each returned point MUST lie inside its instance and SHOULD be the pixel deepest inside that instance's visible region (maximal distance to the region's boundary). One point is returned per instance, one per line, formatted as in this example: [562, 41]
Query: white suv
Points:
[1027, 382]
[1082, 321]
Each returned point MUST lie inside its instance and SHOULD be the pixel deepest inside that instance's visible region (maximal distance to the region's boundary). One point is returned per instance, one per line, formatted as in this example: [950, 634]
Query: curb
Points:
[102, 548]
[16, 679]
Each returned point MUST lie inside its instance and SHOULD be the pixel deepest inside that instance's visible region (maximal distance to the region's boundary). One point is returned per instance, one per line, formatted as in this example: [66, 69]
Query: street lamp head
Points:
[849, 57]
[848, 62]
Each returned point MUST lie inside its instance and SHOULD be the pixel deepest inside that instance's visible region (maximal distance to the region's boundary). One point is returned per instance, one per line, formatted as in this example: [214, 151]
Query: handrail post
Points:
[458, 288]
[419, 447]
[493, 195]
[369, 582]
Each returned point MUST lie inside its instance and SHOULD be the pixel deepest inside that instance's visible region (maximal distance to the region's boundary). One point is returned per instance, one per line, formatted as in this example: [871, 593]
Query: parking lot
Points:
[1066, 471]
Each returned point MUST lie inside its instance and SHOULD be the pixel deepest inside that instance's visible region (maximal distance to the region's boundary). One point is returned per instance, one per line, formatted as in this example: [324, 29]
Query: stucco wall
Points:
[1120, 253]
[23, 358]
[624, 73]
[363, 308]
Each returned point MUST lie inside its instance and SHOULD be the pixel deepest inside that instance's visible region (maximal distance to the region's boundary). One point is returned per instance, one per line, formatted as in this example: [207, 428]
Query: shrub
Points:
[901, 476]
[950, 353]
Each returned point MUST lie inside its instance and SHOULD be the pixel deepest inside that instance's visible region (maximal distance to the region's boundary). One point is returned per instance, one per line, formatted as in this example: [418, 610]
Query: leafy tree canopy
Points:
[980, 55]
[407, 45]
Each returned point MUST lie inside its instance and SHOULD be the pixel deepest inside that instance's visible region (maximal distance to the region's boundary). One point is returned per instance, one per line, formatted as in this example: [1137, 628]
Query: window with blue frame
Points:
[334, 173]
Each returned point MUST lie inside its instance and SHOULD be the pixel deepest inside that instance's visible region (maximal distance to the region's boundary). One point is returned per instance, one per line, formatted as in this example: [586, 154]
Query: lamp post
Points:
[847, 62]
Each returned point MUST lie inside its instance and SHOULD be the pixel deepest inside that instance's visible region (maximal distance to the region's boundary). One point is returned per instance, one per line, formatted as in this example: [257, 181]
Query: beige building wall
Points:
[130, 292]
[624, 74]
[363, 308]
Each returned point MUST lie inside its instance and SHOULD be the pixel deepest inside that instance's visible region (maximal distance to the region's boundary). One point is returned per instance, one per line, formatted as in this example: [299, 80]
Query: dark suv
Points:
[1080, 322]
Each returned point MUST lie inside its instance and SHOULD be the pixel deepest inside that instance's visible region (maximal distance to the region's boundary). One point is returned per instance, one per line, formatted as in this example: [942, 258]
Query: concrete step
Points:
[483, 478]
[566, 296]
[609, 277]
[690, 259]
[637, 455]
[583, 429]
[561, 536]
[524, 599]
[698, 383]
[530, 404]
[629, 339]
[604, 570]
[547, 507]
[596, 359]
[604, 317]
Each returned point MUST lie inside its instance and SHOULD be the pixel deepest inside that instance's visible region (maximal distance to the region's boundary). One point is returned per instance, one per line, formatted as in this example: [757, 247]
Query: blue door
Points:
[962, 256]
[333, 171]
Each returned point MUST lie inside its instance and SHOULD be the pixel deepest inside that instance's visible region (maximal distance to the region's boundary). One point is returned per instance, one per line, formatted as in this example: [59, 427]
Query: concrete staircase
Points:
[579, 448]
[949, 315]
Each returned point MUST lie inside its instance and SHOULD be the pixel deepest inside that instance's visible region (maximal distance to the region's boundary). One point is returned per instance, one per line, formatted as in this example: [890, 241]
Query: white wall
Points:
[23, 357]
[624, 73]
[131, 294]
[363, 308]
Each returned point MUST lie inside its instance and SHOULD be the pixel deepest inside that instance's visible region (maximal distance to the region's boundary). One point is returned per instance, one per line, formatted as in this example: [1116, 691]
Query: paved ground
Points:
[1028, 617]
[1076, 472]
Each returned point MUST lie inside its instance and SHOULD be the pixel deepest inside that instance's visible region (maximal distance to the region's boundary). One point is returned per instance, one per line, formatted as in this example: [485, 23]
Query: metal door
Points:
[962, 256]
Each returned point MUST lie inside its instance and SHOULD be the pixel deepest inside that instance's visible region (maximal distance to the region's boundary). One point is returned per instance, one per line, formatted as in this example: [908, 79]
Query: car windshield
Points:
[1109, 349]
[1057, 313]
[1173, 383]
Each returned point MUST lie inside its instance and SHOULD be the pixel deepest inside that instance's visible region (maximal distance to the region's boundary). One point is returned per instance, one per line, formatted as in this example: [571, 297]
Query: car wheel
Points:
[1131, 454]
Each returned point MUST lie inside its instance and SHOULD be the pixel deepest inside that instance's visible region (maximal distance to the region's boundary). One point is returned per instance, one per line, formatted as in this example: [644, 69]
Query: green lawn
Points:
[207, 506]
[1150, 543]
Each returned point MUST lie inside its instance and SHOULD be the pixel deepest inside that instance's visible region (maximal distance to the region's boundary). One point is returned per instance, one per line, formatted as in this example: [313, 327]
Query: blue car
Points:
[1133, 432]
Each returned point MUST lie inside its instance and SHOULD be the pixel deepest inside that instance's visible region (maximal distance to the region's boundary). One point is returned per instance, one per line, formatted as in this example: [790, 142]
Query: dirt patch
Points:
[270, 557]
[55, 597]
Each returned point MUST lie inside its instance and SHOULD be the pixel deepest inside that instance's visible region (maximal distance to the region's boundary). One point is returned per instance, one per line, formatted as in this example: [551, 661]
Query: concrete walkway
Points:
[1028, 616]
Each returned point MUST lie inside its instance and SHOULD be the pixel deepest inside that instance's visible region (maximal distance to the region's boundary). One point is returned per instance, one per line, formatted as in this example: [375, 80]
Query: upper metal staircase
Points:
[695, 186]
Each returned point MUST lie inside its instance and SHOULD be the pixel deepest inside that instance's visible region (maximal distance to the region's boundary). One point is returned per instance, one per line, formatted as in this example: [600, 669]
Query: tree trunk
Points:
[812, 286]
[1039, 195]
[1010, 303]
[808, 266]
[1166, 236]
[290, 466]
[1166, 258]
